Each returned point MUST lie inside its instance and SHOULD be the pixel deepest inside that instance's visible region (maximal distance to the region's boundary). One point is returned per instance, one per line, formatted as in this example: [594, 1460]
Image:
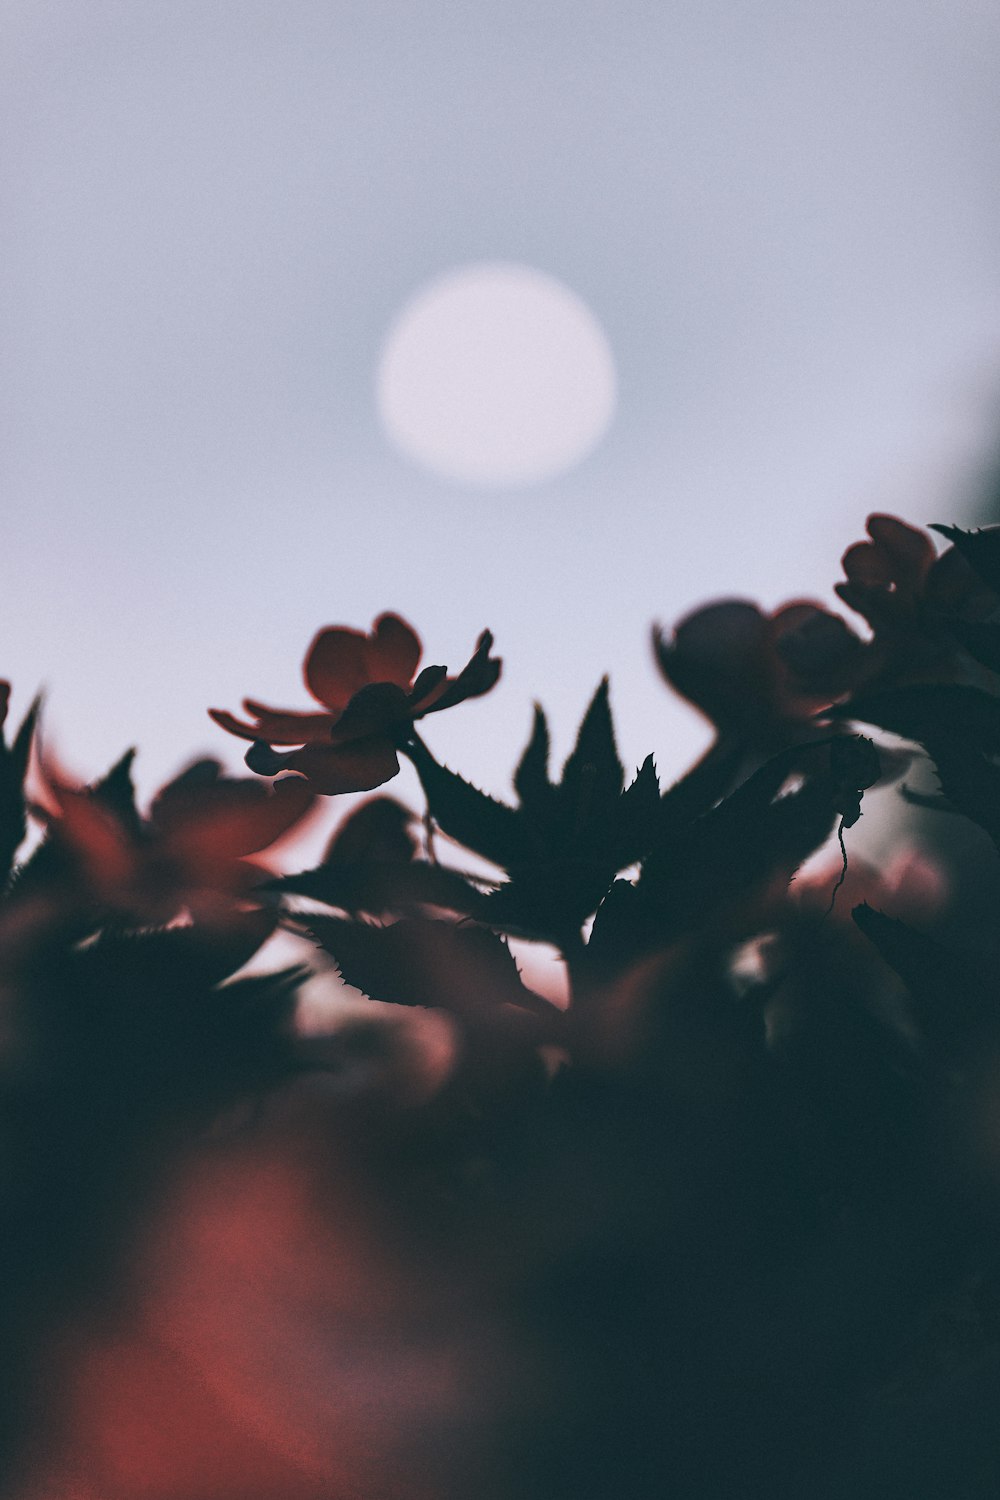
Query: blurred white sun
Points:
[496, 375]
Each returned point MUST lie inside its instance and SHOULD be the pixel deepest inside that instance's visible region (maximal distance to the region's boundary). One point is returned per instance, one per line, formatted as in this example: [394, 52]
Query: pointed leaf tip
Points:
[464, 813]
[596, 748]
[981, 549]
[531, 779]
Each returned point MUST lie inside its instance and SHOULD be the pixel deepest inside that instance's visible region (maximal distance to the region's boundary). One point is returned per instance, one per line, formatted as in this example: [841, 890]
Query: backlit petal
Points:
[336, 666]
[235, 818]
[232, 725]
[392, 651]
[867, 565]
[280, 726]
[911, 550]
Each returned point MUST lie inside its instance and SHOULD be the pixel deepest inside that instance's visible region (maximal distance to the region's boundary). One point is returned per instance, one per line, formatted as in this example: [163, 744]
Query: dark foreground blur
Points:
[719, 1221]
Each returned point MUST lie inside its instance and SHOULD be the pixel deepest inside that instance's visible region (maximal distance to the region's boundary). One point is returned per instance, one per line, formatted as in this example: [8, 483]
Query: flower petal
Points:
[820, 650]
[99, 840]
[910, 550]
[286, 726]
[232, 725]
[722, 660]
[336, 666]
[232, 818]
[392, 651]
[867, 566]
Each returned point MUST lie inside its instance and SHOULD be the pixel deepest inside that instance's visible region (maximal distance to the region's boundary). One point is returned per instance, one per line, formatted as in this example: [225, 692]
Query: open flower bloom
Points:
[370, 693]
[191, 854]
[752, 673]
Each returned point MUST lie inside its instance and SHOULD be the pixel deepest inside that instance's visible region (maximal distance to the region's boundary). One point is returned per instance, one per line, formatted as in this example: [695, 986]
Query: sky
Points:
[782, 219]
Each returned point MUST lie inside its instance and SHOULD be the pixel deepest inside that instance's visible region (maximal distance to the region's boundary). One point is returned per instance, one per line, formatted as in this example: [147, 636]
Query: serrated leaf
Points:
[531, 779]
[970, 782]
[593, 775]
[981, 548]
[550, 899]
[929, 711]
[463, 969]
[751, 837]
[620, 927]
[475, 819]
[638, 815]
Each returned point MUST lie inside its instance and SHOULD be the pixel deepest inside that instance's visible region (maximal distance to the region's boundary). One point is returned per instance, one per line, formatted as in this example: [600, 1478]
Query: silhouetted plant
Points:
[722, 1224]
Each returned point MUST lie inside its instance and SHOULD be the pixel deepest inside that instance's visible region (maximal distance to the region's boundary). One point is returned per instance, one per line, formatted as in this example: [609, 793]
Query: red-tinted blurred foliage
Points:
[678, 1234]
[192, 854]
[278, 1333]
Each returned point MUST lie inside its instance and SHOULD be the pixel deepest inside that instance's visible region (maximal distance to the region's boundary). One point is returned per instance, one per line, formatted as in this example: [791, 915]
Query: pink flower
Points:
[908, 594]
[752, 673]
[369, 696]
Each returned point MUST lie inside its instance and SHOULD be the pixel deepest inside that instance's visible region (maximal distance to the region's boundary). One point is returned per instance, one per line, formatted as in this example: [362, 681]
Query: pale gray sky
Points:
[784, 217]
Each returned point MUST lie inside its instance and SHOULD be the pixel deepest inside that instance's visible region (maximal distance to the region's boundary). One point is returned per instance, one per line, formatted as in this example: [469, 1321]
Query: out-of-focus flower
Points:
[911, 885]
[370, 695]
[191, 854]
[753, 675]
[909, 595]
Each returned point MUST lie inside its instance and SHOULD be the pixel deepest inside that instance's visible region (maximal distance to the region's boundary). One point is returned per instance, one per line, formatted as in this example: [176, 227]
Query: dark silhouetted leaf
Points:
[463, 969]
[929, 711]
[621, 926]
[176, 957]
[752, 837]
[970, 781]
[380, 886]
[638, 815]
[703, 786]
[531, 779]
[593, 775]
[981, 548]
[377, 830]
[475, 819]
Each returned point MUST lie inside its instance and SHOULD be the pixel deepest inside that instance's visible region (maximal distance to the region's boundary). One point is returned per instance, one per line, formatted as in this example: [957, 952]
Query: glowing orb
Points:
[496, 375]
